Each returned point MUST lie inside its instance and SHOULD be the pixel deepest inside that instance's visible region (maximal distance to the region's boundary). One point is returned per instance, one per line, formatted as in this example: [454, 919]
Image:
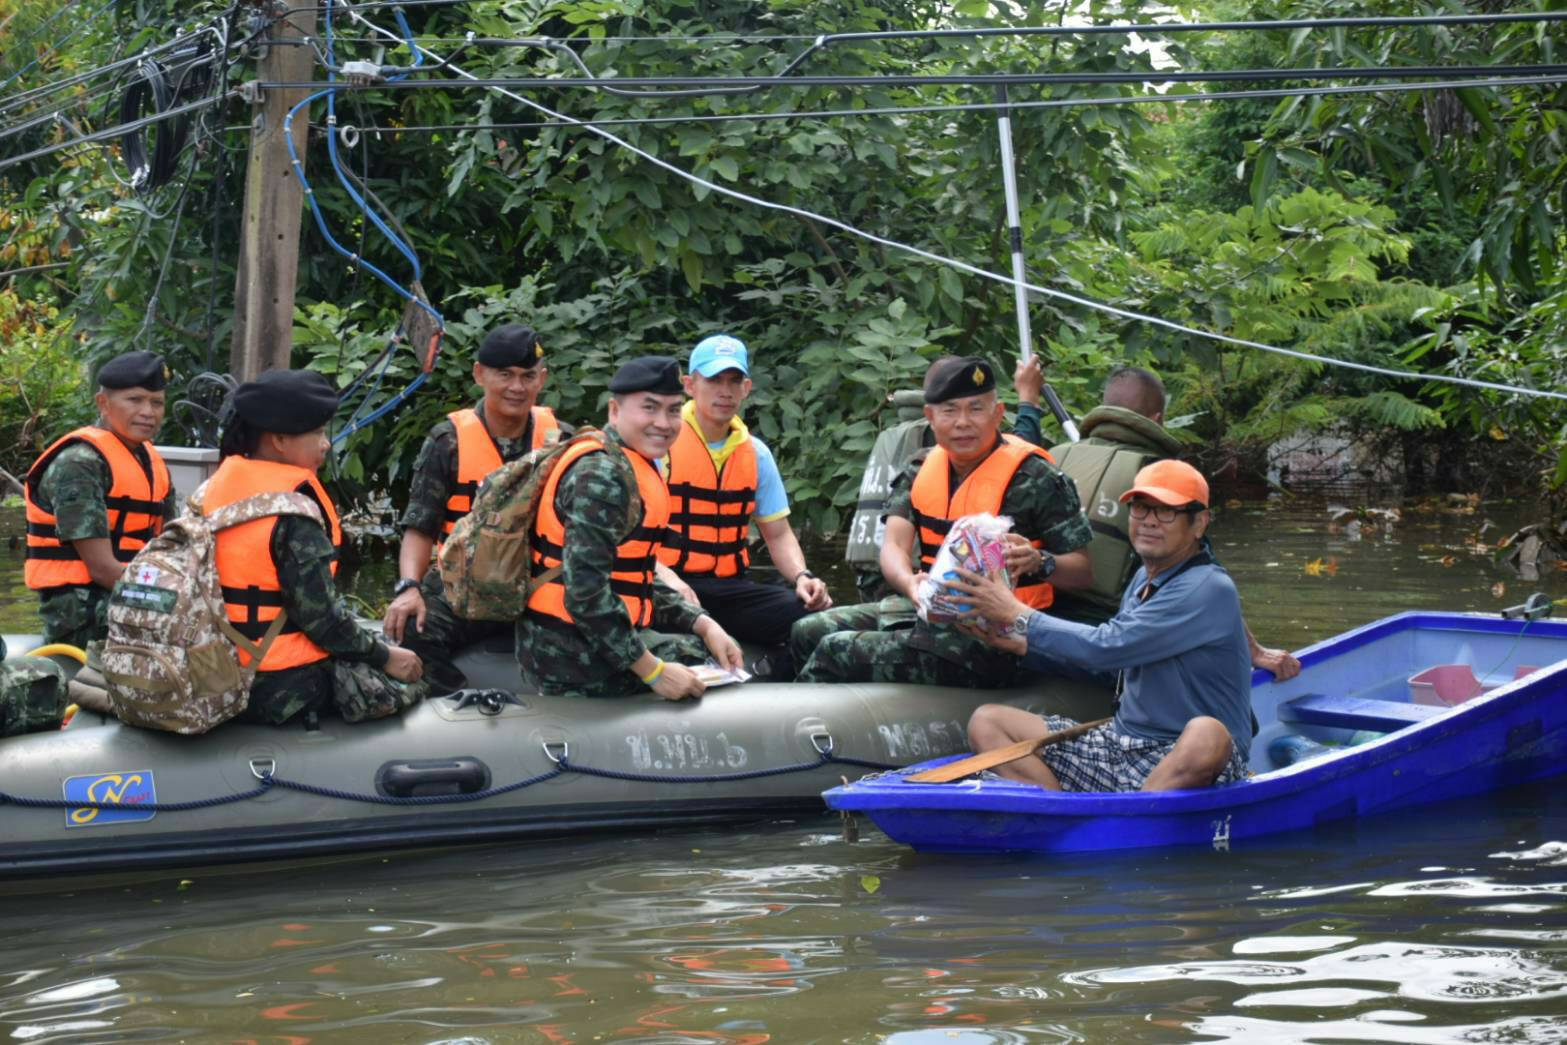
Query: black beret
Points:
[286, 401]
[514, 344]
[134, 370]
[953, 378]
[657, 374]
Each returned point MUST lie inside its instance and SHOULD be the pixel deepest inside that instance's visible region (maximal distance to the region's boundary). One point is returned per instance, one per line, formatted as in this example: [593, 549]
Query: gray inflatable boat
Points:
[488, 763]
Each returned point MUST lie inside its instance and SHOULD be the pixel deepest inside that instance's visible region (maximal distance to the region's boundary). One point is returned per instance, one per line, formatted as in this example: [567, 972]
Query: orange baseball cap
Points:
[1174, 483]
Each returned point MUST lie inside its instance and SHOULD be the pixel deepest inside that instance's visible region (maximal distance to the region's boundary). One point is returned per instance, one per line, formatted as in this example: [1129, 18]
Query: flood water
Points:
[1445, 925]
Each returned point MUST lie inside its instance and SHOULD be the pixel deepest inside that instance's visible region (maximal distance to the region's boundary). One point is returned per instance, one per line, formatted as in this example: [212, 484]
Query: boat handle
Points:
[550, 747]
[822, 742]
[462, 775]
[263, 768]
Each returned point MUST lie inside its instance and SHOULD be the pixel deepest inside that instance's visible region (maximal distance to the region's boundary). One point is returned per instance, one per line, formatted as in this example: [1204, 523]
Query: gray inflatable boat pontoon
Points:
[490, 763]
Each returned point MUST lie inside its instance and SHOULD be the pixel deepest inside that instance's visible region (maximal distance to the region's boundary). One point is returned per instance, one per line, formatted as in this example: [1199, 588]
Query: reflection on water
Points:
[774, 934]
[1445, 925]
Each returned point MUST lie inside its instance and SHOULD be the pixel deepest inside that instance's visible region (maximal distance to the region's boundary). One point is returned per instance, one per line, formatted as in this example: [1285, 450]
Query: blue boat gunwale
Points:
[1347, 642]
[1002, 796]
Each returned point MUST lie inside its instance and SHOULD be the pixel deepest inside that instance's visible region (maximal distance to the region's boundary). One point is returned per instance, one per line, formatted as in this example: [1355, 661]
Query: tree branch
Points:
[832, 255]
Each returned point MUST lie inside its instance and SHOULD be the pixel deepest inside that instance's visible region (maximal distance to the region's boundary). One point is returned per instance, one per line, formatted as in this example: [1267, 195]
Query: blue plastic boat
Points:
[1365, 728]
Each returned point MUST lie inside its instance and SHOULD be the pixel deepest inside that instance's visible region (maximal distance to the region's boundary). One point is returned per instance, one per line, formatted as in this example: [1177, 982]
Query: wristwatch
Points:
[804, 573]
[1047, 563]
[1019, 625]
[403, 585]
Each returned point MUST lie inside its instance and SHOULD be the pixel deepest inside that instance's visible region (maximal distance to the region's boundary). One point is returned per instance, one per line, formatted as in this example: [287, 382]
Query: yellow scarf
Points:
[738, 433]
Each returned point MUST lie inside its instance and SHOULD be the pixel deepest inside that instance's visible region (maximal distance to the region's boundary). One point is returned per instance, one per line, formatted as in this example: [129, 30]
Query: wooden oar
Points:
[1000, 756]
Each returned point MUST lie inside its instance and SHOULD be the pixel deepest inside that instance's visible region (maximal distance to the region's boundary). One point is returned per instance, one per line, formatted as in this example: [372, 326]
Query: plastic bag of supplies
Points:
[977, 543]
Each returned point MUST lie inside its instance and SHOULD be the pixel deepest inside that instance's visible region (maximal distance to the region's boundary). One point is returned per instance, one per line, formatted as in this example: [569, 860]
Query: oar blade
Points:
[1000, 756]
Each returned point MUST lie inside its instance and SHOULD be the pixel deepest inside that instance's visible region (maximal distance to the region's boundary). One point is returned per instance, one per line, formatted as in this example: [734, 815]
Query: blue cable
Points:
[382, 411]
[379, 365]
[378, 372]
[315, 211]
[375, 374]
[337, 166]
[315, 208]
[408, 35]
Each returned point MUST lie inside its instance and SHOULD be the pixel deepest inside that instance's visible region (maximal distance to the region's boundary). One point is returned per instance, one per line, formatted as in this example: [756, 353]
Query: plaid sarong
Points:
[1105, 759]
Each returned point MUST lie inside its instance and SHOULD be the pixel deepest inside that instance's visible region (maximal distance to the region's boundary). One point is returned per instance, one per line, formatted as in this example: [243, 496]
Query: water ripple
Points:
[1390, 1027]
[1420, 971]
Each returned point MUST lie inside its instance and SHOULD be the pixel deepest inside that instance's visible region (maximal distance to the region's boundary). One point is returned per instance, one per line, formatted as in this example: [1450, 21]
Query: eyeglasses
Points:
[1163, 512]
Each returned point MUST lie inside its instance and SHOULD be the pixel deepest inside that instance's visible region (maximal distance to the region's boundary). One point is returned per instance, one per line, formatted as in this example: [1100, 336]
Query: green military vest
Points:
[1117, 443]
[894, 448]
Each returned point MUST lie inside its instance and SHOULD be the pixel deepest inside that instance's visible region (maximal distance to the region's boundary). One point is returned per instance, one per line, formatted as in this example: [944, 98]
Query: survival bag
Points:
[487, 562]
[171, 658]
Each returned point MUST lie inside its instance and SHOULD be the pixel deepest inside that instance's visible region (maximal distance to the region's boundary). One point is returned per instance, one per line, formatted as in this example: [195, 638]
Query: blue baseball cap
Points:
[713, 355]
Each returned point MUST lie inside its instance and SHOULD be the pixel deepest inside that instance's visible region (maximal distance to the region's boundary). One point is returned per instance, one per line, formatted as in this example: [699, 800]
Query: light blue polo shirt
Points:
[1182, 652]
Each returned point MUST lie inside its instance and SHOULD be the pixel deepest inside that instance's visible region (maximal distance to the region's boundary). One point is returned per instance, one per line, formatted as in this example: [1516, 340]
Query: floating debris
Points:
[1321, 568]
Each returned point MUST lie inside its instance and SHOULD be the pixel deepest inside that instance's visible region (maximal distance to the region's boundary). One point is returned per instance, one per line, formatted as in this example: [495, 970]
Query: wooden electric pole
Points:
[268, 265]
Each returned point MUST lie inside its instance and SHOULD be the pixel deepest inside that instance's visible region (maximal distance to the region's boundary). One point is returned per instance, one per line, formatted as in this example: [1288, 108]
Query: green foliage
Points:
[42, 393]
[1338, 226]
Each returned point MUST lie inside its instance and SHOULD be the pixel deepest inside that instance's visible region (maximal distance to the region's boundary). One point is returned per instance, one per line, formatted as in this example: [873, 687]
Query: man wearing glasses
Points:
[1184, 718]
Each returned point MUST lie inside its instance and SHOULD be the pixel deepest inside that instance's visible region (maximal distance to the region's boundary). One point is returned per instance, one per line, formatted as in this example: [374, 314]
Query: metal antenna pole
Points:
[1025, 338]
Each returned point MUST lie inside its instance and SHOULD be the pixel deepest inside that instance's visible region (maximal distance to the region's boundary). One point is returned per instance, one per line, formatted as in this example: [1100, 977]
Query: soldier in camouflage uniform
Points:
[510, 368]
[883, 642]
[93, 497]
[324, 660]
[586, 634]
[93, 500]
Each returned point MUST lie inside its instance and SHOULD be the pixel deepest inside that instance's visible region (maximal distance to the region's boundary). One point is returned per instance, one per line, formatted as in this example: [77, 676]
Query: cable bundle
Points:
[157, 87]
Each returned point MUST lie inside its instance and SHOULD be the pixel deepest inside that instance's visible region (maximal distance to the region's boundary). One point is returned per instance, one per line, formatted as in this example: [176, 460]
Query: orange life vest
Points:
[252, 594]
[478, 456]
[135, 503]
[936, 507]
[631, 577]
[709, 511]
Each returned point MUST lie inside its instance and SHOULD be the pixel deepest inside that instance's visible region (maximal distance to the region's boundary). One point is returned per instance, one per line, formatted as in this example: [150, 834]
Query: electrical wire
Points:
[997, 277]
[331, 147]
[674, 87]
[53, 47]
[216, 194]
[358, 421]
[728, 84]
[1165, 28]
[93, 137]
[18, 100]
[1121, 28]
[905, 110]
[83, 103]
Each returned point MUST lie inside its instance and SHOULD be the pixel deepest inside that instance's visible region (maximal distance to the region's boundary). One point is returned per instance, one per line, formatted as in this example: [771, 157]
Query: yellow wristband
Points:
[653, 676]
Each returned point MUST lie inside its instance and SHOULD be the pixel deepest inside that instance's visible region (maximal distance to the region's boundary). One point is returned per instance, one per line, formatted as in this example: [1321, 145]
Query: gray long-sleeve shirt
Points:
[1182, 651]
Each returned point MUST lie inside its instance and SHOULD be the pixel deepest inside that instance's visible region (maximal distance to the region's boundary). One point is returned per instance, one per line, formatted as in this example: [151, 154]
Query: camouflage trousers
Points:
[892, 613]
[76, 615]
[32, 696]
[570, 682]
[445, 634]
[853, 644]
[352, 689]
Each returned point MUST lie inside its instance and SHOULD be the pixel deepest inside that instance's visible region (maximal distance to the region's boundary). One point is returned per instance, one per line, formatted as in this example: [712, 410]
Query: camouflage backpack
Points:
[171, 659]
[487, 561]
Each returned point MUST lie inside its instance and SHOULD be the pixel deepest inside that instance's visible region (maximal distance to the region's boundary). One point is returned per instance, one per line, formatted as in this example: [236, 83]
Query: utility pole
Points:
[274, 200]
